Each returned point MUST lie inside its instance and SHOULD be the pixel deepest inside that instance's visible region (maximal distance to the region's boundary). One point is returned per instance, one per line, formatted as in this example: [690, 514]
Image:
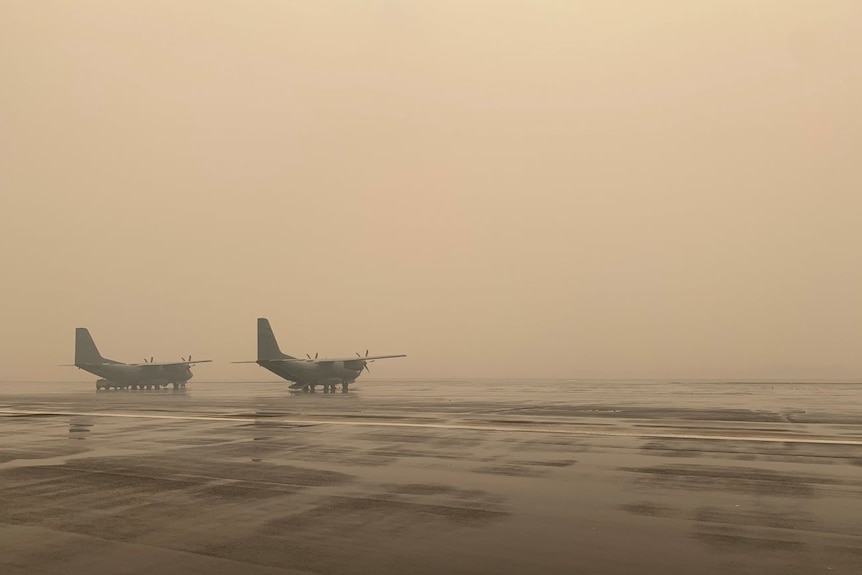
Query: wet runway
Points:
[432, 477]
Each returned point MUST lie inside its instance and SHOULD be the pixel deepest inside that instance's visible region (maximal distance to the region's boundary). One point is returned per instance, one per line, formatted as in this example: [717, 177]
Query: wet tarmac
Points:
[432, 477]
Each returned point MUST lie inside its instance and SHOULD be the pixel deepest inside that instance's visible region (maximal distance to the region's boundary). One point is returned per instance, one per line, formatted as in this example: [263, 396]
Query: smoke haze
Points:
[496, 188]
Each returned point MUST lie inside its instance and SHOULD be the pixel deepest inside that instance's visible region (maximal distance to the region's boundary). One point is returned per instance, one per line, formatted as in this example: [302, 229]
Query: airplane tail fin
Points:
[267, 347]
[86, 352]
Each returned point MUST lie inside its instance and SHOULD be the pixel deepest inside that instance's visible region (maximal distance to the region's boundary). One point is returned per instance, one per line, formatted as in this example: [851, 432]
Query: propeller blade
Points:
[368, 369]
[151, 359]
[366, 353]
[308, 356]
[315, 355]
[357, 354]
[190, 357]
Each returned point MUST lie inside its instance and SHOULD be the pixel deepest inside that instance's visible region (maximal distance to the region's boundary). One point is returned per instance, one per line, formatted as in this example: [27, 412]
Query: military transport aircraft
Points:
[308, 373]
[118, 375]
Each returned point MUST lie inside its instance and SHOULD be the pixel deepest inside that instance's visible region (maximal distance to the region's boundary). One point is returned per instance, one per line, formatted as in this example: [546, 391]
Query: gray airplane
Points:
[308, 373]
[118, 375]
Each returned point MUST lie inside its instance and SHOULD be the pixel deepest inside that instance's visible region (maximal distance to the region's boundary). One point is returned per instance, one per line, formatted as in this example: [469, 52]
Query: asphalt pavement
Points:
[432, 477]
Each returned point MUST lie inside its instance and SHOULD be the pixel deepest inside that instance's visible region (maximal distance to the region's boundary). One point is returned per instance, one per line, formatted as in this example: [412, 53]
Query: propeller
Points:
[366, 362]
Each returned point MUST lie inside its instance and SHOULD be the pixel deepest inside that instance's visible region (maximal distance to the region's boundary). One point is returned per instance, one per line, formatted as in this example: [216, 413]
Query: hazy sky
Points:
[536, 188]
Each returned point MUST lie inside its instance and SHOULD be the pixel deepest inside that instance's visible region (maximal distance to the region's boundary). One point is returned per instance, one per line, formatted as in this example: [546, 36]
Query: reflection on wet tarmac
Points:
[79, 427]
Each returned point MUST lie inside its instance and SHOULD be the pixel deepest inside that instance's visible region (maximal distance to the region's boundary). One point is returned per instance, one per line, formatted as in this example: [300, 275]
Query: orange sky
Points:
[496, 188]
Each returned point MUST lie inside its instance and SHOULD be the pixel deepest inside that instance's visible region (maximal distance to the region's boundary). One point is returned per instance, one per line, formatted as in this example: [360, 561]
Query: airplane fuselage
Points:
[308, 373]
[140, 375]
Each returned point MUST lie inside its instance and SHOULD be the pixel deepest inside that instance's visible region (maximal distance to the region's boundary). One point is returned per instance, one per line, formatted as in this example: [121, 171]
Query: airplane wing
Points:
[92, 364]
[168, 363]
[334, 359]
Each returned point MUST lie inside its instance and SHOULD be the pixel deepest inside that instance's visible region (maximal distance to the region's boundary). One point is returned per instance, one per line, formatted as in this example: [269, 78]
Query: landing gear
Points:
[330, 387]
[312, 388]
[106, 385]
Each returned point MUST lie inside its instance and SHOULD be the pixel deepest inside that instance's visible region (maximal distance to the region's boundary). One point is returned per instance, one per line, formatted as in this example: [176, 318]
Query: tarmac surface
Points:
[432, 477]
